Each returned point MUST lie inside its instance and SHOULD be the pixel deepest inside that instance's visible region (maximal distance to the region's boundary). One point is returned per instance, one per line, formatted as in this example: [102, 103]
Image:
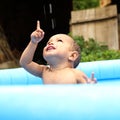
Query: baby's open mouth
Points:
[50, 48]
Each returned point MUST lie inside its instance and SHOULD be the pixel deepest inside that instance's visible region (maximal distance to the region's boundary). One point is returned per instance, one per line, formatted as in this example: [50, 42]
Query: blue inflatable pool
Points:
[24, 96]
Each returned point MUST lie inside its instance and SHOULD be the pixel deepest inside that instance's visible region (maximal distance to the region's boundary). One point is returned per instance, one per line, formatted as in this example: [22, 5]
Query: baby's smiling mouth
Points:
[50, 48]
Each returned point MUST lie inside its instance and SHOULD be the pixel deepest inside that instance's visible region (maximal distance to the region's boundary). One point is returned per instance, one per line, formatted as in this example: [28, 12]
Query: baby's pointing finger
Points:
[38, 24]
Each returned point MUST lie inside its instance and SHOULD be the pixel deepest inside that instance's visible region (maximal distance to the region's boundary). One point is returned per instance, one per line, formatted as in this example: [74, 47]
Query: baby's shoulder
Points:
[77, 71]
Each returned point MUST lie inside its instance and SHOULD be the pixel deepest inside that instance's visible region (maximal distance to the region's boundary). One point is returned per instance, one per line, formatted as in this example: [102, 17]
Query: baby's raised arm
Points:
[26, 60]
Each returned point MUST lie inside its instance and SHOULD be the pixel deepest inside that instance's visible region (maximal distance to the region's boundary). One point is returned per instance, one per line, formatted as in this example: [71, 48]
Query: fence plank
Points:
[98, 23]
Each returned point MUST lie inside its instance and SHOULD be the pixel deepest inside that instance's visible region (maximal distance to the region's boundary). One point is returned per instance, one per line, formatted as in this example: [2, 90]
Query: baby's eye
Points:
[60, 40]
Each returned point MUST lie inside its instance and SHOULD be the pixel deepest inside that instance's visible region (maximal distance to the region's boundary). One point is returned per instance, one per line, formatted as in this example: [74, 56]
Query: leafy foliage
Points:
[84, 4]
[93, 51]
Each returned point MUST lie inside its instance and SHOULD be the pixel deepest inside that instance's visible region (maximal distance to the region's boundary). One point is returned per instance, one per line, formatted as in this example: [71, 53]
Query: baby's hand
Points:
[38, 34]
[92, 79]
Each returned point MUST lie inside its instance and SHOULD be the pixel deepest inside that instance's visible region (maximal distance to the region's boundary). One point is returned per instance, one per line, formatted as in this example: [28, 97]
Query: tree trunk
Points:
[7, 59]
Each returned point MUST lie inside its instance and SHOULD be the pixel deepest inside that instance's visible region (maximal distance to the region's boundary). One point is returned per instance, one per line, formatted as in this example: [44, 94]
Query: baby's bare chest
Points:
[59, 77]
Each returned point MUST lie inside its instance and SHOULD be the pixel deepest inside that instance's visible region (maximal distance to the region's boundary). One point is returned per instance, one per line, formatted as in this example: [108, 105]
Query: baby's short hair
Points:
[77, 48]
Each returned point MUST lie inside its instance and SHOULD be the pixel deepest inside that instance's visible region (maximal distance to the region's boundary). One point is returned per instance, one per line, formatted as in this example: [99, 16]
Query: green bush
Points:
[84, 4]
[93, 51]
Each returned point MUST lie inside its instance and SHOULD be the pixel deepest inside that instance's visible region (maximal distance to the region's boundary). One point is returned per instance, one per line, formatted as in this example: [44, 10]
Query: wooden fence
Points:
[98, 23]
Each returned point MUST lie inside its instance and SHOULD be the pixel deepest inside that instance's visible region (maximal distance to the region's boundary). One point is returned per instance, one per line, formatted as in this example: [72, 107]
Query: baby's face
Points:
[58, 46]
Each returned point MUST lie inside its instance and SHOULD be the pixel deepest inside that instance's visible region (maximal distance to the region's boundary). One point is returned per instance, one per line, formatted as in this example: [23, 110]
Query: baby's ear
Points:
[73, 56]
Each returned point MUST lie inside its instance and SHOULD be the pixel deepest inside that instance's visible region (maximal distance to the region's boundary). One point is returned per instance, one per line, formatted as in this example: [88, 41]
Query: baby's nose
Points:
[50, 43]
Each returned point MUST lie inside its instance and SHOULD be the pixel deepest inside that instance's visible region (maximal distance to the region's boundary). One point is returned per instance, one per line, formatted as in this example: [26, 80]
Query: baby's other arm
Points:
[92, 79]
[26, 60]
[83, 78]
